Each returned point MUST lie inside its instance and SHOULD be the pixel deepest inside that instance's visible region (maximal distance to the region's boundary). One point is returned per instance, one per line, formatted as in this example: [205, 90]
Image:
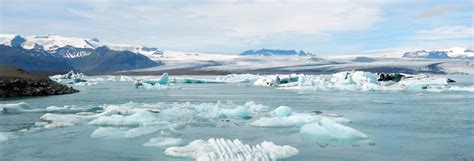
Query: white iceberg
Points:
[366, 81]
[164, 142]
[238, 78]
[228, 150]
[327, 130]
[4, 136]
[15, 107]
[283, 111]
[113, 133]
[194, 80]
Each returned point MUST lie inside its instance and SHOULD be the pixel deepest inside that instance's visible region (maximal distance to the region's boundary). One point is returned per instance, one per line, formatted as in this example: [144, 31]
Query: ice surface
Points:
[296, 119]
[366, 81]
[327, 130]
[164, 142]
[4, 136]
[238, 78]
[194, 80]
[283, 111]
[228, 150]
[15, 107]
[113, 132]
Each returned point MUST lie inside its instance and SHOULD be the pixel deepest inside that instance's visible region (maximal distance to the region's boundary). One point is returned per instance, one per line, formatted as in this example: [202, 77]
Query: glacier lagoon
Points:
[400, 125]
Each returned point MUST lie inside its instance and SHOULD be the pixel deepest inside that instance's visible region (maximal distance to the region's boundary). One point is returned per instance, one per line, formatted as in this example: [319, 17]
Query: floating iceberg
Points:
[276, 80]
[164, 142]
[15, 107]
[327, 130]
[238, 78]
[4, 136]
[284, 117]
[113, 133]
[162, 83]
[194, 80]
[366, 81]
[283, 111]
[70, 75]
[228, 150]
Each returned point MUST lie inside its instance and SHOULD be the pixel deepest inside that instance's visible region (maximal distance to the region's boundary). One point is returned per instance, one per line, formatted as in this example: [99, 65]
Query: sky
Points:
[321, 27]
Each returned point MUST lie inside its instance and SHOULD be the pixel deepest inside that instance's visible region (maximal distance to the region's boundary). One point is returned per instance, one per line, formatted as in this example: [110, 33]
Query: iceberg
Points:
[162, 83]
[277, 80]
[4, 136]
[113, 133]
[15, 107]
[194, 80]
[365, 81]
[164, 142]
[327, 130]
[238, 78]
[222, 149]
[283, 111]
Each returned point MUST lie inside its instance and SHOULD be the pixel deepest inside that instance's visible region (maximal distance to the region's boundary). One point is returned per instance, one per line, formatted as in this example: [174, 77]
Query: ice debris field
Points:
[342, 81]
[131, 120]
[166, 122]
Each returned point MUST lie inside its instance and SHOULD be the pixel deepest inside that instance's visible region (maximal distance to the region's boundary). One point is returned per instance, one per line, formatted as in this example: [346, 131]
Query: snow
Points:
[327, 130]
[231, 150]
[164, 142]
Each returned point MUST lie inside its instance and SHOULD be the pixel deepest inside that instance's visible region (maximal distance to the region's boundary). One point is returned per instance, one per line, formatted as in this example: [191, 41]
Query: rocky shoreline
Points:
[18, 83]
[17, 87]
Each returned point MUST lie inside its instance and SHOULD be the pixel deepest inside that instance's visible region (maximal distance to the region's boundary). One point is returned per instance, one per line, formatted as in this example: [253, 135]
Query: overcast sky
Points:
[324, 27]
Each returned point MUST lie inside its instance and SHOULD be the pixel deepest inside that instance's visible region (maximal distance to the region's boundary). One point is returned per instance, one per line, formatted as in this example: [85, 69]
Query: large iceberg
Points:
[231, 150]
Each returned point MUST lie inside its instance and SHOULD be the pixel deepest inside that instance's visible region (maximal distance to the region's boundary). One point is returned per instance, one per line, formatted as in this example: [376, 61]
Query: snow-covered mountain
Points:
[53, 52]
[57, 53]
[451, 53]
[270, 52]
[52, 43]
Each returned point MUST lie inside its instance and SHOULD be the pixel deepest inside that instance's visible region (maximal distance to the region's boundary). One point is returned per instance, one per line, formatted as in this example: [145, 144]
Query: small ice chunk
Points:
[164, 142]
[15, 107]
[296, 119]
[54, 125]
[283, 111]
[4, 136]
[135, 119]
[113, 133]
[327, 130]
[223, 149]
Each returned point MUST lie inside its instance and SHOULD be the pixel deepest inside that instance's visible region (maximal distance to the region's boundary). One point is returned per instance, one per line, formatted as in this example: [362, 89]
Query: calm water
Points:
[403, 125]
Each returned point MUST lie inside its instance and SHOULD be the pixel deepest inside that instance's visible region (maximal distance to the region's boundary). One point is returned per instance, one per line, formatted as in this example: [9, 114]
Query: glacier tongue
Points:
[231, 150]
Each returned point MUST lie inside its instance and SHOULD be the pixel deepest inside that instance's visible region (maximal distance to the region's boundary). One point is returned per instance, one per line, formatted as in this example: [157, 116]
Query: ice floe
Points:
[164, 142]
[327, 130]
[15, 107]
[231, 150]
[367, 81]
[4, 136]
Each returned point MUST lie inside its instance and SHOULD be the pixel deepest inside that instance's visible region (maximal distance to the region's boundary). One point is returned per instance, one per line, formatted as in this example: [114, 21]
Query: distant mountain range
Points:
[269, 52]
[56, 53]
[453, 53]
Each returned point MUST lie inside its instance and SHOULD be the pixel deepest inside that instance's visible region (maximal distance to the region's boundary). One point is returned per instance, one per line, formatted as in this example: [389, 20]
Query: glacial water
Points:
[400, 125]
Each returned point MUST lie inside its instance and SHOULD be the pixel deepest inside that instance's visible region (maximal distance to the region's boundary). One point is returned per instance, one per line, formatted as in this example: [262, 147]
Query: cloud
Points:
[445, 32]
[224, 23]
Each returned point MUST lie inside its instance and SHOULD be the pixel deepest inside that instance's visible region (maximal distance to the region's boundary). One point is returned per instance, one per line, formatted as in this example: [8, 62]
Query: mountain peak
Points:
[269, 52]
